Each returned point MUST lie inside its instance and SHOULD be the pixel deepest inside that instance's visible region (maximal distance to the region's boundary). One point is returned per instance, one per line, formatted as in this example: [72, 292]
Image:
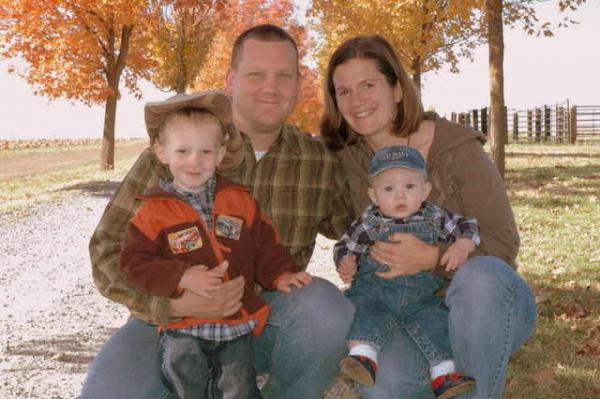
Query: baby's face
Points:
[399, 192]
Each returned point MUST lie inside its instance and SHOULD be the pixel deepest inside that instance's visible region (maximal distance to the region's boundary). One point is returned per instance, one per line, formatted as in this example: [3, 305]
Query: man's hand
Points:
[404, 255]
[201, 281]
[225, 300]
[456, 255]
[347, 268]
[286, 282]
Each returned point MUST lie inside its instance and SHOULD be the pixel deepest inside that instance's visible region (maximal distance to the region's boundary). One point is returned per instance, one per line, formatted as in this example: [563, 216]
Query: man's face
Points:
[264, 86]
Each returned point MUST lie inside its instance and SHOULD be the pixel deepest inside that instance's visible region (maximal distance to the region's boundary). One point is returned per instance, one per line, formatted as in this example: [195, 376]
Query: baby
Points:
[398, 189]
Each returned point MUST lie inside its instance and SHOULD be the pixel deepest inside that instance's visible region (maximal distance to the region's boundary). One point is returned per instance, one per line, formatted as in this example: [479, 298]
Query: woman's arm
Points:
[483, 196]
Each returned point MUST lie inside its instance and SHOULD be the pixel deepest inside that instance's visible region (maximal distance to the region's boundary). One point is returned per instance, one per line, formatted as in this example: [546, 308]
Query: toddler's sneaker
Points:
[360, 368]
[449, 385]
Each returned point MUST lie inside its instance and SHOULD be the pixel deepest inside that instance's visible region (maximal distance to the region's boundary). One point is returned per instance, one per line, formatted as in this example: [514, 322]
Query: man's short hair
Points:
[265, 33]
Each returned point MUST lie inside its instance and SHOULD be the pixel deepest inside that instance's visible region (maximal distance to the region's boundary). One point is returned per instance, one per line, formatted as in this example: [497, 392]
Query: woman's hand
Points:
[405, 254]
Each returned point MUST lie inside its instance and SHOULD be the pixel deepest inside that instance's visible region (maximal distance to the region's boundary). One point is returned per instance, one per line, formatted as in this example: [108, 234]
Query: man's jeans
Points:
[492, 313]
[300, 348]
[384, 304]
[197, 368]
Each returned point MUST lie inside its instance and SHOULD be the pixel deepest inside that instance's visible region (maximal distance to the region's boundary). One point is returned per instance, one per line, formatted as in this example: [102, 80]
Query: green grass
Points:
[18, 194]
[555, 194]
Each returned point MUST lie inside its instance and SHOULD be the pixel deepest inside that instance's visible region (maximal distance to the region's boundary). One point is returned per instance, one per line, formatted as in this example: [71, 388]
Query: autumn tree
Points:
[182, 32]
[498, 132]
[241, 15]
[426, 33]
[80, 50]
[497, 14]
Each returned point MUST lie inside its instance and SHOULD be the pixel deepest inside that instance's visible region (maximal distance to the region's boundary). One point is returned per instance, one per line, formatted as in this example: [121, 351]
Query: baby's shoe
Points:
[449, 385]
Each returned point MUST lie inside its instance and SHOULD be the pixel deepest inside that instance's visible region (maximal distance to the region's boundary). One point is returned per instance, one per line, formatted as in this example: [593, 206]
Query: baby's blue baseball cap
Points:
[398, 156]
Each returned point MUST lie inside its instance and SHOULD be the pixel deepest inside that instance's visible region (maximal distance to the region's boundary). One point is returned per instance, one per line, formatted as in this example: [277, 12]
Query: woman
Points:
[370, 103]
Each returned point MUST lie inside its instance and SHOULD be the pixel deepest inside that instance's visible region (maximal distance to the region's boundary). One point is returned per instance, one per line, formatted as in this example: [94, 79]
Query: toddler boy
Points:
[194, 231]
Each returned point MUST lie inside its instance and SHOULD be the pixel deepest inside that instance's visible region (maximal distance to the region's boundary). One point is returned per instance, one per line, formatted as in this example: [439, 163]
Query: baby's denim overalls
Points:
[407, 301]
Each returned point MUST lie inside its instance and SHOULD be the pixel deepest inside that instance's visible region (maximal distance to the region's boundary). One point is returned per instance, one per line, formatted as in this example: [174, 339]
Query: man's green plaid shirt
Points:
[297, 183]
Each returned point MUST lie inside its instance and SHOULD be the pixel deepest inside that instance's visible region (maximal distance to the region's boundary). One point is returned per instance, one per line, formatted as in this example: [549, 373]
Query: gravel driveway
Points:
[52, 319]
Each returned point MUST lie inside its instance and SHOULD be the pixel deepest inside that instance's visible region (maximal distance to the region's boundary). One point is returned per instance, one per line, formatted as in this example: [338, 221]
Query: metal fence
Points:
[559, 123]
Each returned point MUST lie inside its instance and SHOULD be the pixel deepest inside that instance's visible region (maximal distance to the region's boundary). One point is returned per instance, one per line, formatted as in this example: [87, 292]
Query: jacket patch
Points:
[184, 241]
[229, 227]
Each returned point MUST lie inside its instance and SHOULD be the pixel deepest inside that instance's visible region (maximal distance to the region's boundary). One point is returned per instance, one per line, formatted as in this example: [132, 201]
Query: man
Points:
[298, 185]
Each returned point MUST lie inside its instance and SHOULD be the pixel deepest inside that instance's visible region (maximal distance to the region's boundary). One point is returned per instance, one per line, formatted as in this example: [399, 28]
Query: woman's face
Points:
[366, 100]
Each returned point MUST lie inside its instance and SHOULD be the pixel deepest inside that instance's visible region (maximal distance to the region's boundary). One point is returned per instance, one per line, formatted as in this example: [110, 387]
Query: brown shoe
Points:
[360, 368]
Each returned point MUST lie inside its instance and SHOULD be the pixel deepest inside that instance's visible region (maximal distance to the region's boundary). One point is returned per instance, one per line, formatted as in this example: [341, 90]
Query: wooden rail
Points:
[560, 123]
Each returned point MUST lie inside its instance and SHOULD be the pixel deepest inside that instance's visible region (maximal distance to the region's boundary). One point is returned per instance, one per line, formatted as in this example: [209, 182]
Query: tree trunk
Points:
[114, 69]
[107, 160]
[416, 74]
[181, 81]
[498, 131]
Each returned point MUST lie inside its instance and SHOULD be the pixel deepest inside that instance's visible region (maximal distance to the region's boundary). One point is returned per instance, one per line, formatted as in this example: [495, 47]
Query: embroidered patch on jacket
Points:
[184, 241]
[229, 227]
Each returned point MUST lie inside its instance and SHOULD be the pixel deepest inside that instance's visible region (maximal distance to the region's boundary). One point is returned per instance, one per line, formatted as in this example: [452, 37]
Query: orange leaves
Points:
[310, 101]
[71, 48]
[182, 32]
[425, 33]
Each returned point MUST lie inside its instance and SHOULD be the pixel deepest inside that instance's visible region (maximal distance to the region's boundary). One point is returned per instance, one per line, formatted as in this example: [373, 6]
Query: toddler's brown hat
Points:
[215, 102]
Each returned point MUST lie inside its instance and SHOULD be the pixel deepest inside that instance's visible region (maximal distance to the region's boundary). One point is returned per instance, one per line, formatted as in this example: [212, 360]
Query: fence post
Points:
[529, 124]
[516, 126]
[546, 123]
[484, 124]
[573, 124]
[468, 119]
[505, 116]
[559, 135]
[453, 117]
[538, 124]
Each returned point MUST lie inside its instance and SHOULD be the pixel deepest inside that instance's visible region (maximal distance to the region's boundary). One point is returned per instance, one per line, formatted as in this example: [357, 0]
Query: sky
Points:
[537, 71]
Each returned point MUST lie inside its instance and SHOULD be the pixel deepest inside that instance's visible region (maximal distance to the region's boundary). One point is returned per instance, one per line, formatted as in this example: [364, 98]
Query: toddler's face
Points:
[399, 192]
[192, 150]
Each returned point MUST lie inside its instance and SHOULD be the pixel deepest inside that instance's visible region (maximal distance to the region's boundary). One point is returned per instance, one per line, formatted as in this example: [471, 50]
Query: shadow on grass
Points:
[95, 188]
[588, 172]
[543, 202]
[74, 349]
[561, 181]
[558, 154]
[558, 360]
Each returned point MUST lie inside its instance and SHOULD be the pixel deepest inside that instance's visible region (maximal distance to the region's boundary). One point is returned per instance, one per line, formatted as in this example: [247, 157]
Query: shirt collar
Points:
[167, 185]
[288, 136]
[420, 213]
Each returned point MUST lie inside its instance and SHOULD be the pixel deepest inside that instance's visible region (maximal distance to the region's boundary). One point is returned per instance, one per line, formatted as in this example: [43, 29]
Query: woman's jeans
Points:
[197, 368]
[300, 347]
[382, 305]
[492, 313]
